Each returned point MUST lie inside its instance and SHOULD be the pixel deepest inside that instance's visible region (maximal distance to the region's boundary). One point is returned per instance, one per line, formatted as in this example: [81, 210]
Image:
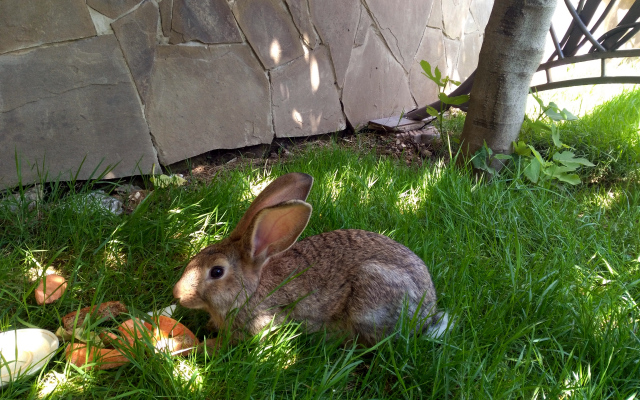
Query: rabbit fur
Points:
[350, 281]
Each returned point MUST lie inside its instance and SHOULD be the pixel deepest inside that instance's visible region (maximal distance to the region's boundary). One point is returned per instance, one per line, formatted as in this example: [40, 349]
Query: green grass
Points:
[543, 283]
[608, 136]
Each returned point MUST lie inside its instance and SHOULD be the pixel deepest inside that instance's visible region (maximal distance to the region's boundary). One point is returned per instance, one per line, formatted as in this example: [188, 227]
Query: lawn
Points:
[543, 281]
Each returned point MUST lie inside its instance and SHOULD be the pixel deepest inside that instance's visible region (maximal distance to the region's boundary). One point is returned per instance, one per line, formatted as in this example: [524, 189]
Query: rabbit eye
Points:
[216, 272]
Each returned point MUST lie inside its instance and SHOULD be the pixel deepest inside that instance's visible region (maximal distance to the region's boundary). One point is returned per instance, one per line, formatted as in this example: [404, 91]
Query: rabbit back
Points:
[353, 281]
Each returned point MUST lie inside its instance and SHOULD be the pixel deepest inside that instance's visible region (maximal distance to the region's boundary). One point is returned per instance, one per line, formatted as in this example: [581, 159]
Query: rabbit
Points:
[349, 281]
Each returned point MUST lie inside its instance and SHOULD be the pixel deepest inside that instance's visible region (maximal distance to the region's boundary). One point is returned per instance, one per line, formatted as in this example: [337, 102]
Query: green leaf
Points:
[568, 158]
[567, 115]
[438, 75]
[556, 170]
[539, 100]
[555, 134]
[554, 115]
[456, 100]
[426, 67]
[502, 157]
[480, 158]
[443, 98]
[537, 155]
[532, 171]
[521, 149]
[571, 179]
[541, 126]
[432, 111]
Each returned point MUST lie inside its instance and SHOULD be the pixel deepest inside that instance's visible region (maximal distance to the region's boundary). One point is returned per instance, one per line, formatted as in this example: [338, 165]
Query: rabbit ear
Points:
[292, 186]
[276, 228]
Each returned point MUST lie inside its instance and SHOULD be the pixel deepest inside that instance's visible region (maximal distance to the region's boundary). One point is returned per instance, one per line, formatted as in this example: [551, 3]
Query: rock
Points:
[101, 22]
[50, 289]
[99, 200]
[375, 85]
[30, 23]
[31, 197]
[481, 10]
[401, 29]
[425, 153]
[435, 17]
[432, 50]
[469, 54]
[336, 22]
[305, 98]
[454, 15]
[127, 189]
[427, 135]
[193, 93]
[451, 51]
[269, 31]
[299, 10]
[79, 113]
[112, 8]
[136, 33]
[209, 21]
[166, 10]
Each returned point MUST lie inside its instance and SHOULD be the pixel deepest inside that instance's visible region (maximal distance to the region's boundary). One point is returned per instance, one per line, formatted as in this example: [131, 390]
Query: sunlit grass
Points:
[543, 282]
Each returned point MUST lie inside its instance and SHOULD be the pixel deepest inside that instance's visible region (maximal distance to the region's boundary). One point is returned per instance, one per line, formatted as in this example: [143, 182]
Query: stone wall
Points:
[86, 84]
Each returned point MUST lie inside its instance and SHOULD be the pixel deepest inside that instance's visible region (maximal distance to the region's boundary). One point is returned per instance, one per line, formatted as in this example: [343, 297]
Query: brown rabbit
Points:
[352, 281]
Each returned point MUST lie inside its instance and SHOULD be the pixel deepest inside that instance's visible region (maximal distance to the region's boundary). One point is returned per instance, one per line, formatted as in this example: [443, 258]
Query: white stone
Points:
[269, 30]
[451, 51]
[101, 22]
[469, 53]
[336, 22]
[454, 15]
[431, 50]
[402, 23]
[305, 98]
[375, 84]
[201, 99]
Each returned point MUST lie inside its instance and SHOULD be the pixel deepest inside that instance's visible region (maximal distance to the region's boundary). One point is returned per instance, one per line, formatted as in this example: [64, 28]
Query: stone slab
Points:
[206, 98]
[269, 30]
[299, 10]
[435, 17]
[375, 84]
[101, 22]
[305, 98]
[431, 50]
[454, 16]
[136, 33]
[113, 8]
[69, 105]
[207, 21]
[451, 52]
[166, 10]
[30, 23]
[401, 27]
[336, 22]
[469, 54]
[481, 10]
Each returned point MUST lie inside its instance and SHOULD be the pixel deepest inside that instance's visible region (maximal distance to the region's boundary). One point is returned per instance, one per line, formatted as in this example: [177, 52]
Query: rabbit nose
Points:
[176, 291]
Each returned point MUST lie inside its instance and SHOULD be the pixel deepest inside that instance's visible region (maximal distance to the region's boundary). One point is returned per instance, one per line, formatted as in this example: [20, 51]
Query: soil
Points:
[413, 147]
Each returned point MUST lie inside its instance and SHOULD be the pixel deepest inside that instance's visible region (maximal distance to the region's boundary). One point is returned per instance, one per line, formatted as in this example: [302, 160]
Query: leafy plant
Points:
[561, 164]
[436, 77]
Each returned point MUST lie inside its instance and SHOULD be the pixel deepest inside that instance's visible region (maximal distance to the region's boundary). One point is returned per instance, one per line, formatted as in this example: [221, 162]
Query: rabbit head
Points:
[225, 275]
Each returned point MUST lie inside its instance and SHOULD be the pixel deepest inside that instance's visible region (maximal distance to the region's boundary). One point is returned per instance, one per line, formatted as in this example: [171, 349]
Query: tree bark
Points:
[511, 52]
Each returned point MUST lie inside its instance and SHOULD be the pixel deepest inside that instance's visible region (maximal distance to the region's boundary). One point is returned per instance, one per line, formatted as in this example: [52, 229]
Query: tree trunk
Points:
[511, 52]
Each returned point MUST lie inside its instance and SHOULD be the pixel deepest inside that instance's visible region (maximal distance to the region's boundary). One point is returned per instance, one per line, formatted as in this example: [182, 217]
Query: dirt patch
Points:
[414, 148]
